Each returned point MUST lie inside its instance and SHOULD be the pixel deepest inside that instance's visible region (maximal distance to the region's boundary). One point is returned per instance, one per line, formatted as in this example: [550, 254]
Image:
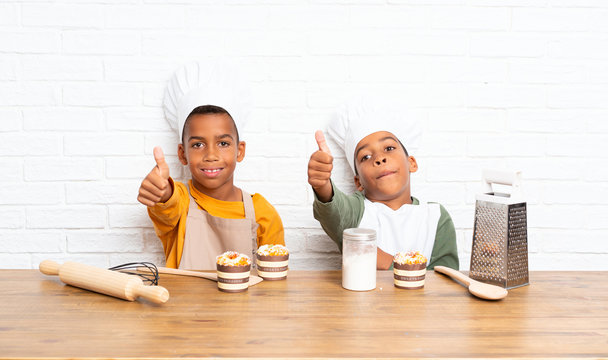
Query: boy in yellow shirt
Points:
[198, 221]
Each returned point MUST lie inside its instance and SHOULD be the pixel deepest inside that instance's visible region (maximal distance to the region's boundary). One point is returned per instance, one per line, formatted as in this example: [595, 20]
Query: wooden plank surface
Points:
[561, 314]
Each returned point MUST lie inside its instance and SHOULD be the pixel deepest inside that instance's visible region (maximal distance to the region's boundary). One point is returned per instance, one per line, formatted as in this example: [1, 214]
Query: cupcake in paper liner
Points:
[272, 262]
[409, 270]
[233, 270]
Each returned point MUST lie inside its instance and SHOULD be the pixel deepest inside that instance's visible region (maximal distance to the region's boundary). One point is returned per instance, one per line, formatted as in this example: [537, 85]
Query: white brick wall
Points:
[518, 84]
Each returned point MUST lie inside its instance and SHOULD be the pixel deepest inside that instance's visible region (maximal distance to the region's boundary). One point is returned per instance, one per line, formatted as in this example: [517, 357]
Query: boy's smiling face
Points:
[384, 169]
[211, 150]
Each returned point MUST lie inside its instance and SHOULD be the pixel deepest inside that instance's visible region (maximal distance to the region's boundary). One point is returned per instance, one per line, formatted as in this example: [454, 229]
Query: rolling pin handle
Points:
[49, 267]
[155, 294]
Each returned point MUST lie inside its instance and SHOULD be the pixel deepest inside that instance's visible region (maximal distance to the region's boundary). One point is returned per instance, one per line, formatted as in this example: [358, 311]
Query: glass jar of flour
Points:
[359, 259]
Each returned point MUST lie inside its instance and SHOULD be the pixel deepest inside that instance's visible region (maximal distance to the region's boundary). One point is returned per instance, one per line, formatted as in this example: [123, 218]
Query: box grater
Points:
[500, 235]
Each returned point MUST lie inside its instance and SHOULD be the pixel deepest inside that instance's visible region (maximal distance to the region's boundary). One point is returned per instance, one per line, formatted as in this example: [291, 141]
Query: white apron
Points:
[411, 227]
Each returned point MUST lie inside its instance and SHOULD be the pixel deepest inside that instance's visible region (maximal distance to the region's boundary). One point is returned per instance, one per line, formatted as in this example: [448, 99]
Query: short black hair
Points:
[209, 109]
[355, 159]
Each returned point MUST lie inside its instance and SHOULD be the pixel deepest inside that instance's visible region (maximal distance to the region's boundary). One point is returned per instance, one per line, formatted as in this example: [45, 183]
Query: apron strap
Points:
[250, 214]
[248, 204]
[192, 205]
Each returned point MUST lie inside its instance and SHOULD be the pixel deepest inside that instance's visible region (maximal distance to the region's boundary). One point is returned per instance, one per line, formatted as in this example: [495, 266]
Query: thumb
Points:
[159, 157]
[321, 142]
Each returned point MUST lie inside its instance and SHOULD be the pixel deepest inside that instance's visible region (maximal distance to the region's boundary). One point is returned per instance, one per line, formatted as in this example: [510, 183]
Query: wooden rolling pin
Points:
[104, 281]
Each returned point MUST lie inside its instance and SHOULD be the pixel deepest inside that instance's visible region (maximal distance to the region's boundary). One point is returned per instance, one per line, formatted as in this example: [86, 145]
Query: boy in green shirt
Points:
[383, 200]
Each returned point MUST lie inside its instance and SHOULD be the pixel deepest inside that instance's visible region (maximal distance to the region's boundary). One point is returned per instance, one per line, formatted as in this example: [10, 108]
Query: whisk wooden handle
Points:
[164, 270]
[104, 281]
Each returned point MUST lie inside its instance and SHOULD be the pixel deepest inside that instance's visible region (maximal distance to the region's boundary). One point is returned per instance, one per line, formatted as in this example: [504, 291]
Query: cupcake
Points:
[233, 271]
[409, 270]
[271, 261]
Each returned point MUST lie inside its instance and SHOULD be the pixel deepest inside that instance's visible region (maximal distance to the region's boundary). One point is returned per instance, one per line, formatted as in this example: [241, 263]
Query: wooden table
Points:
[562, 314]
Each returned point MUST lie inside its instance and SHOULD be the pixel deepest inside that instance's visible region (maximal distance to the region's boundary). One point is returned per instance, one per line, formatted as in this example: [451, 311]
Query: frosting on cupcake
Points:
[409, 257]
[272, 250]
[233, 258]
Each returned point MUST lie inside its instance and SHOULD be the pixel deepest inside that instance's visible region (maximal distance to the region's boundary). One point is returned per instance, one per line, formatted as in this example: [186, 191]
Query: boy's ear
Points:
[240, 151]
[358, 183]
[413, 164]
[181, 154]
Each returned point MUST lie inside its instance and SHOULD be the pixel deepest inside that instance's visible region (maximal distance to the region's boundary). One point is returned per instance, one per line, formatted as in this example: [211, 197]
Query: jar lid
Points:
[359, 234]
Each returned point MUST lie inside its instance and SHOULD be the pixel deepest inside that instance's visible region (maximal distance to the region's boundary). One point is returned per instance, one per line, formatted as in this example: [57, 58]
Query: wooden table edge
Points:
[306, 358]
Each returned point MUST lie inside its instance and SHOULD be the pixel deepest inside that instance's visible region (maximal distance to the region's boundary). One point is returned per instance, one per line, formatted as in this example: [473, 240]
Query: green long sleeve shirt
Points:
[346, 211]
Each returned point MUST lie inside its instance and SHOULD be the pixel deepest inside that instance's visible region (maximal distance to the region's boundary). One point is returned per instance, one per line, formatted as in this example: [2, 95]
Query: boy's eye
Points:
[390, 148]
[224, 143]
[197, 145]
[365, 157]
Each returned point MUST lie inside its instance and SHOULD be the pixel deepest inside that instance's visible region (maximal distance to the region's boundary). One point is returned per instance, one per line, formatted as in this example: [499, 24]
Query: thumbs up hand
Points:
[319, 169]
[156, 187]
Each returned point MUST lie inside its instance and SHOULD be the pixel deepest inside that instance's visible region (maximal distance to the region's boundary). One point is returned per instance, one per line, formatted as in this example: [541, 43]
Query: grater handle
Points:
[503, 177]
[454, 274]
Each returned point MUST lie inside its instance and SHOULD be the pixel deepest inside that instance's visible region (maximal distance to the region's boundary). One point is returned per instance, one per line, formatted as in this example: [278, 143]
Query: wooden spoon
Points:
[479, 289]
[253, 279]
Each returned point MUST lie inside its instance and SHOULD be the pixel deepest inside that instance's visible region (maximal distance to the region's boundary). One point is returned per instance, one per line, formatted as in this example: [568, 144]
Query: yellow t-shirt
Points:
[169, 218]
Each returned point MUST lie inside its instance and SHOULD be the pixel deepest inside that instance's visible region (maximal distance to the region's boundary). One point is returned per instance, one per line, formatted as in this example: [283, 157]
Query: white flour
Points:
[359, 271]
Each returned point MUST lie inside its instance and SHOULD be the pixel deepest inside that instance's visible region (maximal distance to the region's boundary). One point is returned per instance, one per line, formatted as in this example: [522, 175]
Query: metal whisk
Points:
[149, 278]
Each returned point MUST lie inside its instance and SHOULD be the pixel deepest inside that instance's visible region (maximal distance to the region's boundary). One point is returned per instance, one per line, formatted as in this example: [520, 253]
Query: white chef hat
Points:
[206, 83]
[365, 115]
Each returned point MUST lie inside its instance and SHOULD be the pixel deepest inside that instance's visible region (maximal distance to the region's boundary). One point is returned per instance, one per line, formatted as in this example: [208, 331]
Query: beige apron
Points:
[208, 236]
